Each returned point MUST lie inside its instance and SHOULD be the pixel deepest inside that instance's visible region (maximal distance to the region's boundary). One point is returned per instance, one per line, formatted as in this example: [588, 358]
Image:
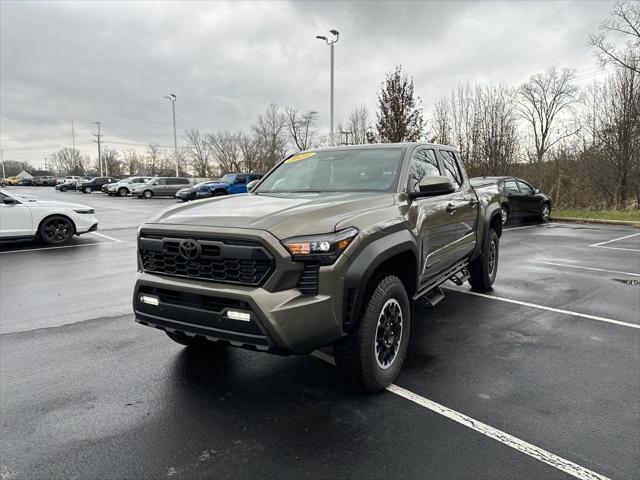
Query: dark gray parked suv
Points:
[159, 186]
[331, 247]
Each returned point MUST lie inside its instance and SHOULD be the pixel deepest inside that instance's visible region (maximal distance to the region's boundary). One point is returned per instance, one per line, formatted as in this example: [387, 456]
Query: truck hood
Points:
[284, 215]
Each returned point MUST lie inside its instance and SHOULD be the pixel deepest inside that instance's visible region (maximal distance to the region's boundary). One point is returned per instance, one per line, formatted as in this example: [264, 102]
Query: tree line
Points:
[580, 145]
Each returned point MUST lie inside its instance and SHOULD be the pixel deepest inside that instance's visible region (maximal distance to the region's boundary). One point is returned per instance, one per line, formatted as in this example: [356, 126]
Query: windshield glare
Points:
[373, 169]
[228, 178]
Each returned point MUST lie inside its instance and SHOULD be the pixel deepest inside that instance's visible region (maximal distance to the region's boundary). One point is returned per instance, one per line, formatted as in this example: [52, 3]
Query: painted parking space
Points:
[122, 400]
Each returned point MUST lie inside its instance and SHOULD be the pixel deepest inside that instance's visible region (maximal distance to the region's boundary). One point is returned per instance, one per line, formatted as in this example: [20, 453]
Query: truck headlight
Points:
[324, 249]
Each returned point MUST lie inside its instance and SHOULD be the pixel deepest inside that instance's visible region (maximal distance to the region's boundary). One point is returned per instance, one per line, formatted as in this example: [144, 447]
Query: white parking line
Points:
[614, 240]
[518, 228]
[544, 307]
[617, 248]
[587, 268]
[112, 241]
[509, 440]
[107, 237]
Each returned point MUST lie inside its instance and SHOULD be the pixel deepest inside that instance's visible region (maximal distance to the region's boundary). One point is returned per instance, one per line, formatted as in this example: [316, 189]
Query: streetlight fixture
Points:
[172, 98]
[330, 42]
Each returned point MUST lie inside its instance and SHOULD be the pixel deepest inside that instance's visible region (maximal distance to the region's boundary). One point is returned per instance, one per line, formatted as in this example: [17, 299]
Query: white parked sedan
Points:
[24, 216]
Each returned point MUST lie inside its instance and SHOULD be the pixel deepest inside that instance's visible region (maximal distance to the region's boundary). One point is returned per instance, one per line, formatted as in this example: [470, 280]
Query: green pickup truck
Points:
[333, 247]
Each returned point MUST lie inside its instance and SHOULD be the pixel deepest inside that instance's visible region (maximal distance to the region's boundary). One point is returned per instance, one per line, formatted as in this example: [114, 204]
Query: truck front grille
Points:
[217, 260]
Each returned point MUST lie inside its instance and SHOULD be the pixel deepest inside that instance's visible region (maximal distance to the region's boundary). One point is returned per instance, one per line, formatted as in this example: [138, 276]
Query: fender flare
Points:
[365, 264]
[492, 213]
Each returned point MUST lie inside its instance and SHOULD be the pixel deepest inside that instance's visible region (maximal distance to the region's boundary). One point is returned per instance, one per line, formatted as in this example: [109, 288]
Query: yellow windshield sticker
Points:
[300, 156]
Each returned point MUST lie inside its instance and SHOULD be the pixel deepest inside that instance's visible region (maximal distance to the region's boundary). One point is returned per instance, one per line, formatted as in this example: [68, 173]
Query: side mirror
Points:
[433, 186]
[252, 184]
[10, 201]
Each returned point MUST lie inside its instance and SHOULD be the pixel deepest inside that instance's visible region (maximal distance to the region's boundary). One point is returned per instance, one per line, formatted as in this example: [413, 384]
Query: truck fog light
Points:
[233, 315]
[148, 299]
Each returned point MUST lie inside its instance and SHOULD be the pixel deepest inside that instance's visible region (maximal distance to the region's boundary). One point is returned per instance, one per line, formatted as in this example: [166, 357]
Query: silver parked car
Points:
[160, 186]
[124, 187]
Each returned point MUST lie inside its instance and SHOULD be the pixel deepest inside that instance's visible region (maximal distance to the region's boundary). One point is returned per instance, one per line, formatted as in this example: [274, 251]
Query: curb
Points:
[596, 220]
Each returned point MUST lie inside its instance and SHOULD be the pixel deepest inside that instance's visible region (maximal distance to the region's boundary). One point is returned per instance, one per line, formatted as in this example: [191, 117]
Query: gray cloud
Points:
[114, 61]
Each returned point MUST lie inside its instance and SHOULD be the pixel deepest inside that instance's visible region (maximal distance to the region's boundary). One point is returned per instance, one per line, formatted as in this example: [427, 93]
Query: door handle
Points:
[451, 208]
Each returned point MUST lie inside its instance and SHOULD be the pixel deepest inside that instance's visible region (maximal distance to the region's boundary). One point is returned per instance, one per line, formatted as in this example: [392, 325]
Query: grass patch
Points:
[628, 215]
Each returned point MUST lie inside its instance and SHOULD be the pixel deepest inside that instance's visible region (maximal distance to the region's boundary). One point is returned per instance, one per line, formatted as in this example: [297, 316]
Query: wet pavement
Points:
[87, 393]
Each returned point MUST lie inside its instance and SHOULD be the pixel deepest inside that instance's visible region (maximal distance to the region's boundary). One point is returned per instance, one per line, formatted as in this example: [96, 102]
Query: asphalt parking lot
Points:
[540, 379]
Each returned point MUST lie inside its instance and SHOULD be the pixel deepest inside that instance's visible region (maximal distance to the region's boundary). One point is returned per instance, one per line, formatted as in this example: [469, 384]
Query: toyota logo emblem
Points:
[189, 249]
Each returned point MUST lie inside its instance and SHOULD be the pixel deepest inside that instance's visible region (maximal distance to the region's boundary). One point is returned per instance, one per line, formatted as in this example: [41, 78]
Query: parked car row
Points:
[148, 187]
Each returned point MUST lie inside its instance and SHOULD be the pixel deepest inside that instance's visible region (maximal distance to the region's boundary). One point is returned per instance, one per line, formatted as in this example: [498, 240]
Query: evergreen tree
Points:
[398, 117]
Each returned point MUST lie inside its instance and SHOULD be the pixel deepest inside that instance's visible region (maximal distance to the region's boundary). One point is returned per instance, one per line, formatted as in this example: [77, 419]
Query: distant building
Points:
[24, 175]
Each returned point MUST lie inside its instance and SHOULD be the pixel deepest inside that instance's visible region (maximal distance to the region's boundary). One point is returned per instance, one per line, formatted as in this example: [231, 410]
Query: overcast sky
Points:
[114, 61]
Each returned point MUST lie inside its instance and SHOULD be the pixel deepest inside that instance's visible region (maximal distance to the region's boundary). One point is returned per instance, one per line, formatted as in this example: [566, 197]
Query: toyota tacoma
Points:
[333, 247]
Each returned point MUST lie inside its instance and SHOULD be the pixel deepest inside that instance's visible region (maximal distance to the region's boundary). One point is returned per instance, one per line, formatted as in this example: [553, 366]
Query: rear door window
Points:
[450, 167]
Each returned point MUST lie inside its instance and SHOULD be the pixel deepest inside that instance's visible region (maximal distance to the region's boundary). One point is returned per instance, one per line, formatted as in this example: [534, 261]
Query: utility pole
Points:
[336, 35]
[2, 158]
[172, 99]
[98, 136]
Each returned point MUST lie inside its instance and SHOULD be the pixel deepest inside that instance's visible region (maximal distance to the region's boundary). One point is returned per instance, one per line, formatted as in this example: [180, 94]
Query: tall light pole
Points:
[99, 151]
[2, 159]
[172, 99]
[336, 35]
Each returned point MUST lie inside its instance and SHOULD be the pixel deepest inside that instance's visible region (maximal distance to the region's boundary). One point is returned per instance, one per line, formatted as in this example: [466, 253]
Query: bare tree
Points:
[111, 161]
[14, 167]
[302, 128]
[250, 149]
[624, 23]
[618, 133]
[198, 153]
[132, 162]
[441, 122]
[357, 125]
[154, 160]
[68, 161]
[225, 147]
[541, 101]
[271, 134]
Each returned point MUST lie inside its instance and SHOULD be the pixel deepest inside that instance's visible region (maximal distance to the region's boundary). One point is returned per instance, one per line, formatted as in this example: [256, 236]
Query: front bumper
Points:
[281, 318]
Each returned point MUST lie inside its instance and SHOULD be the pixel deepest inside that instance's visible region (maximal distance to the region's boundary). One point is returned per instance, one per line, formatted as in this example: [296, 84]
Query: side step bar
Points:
[460, 277]
[459, 271]
[433, 296]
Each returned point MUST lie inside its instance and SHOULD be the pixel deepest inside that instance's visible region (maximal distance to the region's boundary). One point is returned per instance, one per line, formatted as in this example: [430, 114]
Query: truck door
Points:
[435, 225]
[465, 203]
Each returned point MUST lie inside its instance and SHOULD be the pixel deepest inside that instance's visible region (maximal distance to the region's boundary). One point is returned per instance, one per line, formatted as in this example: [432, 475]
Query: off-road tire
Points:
[483, 269]
[356, 354]
[195, 342]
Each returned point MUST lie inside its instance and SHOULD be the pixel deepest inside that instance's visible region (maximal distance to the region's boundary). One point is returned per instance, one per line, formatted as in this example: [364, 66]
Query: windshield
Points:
[367, 169]
[228, 178]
